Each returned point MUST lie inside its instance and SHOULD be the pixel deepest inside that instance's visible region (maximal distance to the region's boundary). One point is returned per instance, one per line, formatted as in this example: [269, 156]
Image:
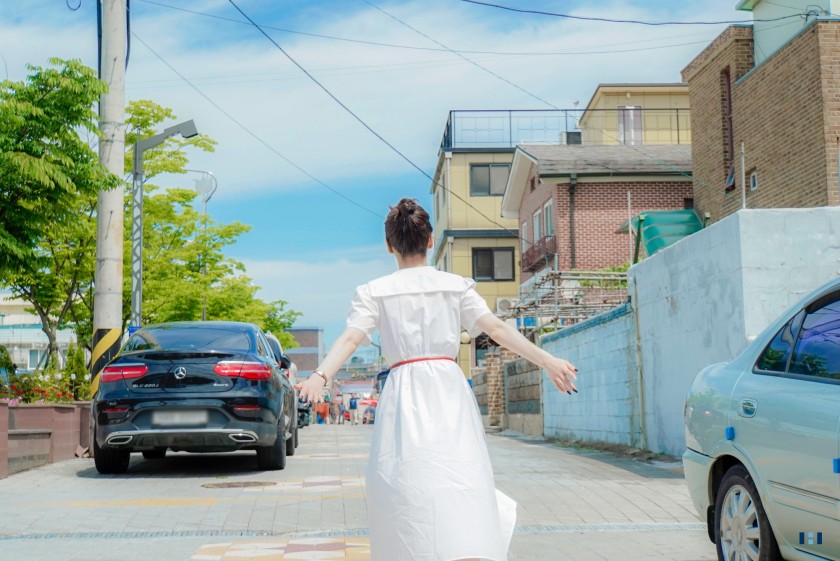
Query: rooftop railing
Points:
[505, 129]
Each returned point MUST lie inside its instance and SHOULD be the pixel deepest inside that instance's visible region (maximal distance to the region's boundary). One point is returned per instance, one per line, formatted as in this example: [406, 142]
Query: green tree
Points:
[49, 178]
[45, 165]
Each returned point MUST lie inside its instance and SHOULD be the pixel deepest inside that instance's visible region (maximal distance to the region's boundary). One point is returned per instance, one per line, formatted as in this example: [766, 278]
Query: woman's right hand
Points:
[561, 373]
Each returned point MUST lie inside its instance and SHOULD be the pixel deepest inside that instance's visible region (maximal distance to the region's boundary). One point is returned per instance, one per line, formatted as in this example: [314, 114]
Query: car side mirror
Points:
[285, 362]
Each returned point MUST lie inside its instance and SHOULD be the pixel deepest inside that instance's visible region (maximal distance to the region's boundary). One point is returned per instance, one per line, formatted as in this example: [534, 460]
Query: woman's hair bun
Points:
[407, 206]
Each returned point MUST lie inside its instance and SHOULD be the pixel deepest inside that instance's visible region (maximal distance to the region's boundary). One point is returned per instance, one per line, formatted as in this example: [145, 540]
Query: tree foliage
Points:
[46, 168]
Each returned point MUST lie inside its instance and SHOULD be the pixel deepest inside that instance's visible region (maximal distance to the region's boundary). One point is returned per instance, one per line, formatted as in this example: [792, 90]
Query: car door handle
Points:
[748, 408]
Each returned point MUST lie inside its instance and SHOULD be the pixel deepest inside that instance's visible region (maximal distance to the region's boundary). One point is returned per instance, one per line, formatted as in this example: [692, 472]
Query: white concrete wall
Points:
[770, 36]
[603, 349]
[699, 300]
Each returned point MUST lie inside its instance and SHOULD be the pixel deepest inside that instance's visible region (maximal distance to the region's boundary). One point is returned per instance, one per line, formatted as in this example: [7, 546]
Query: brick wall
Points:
[786, 112]
[489, 386]
[600, 208]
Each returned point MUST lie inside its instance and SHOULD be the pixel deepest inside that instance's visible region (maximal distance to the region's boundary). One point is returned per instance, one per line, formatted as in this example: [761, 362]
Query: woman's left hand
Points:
[311, 389]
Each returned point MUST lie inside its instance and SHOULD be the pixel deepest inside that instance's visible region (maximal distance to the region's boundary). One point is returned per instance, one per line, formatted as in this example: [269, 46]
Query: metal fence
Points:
[501, 129]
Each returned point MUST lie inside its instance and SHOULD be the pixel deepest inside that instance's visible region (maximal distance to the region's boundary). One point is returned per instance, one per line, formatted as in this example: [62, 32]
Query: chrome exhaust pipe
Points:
[119, 439]
[243, 437]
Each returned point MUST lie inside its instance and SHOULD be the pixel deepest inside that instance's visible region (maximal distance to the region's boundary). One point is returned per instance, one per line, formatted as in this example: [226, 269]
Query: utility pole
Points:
[108, 293]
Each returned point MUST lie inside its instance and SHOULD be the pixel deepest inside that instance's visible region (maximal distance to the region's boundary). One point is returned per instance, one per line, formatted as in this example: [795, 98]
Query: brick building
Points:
[776, 91]
[571, 199]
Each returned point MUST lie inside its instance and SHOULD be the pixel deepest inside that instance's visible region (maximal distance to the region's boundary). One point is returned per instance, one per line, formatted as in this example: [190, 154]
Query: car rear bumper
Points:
[183, 439]
[696, 467]
[221, 433]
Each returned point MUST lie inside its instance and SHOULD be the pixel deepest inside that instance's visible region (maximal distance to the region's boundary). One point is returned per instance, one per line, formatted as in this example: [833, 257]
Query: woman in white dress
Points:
[431, 494]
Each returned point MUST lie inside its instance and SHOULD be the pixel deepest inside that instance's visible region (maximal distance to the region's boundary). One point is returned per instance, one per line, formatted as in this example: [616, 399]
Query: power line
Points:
[602, 131]
[362, 121]
[253, 134]
[631, 21]
[432, 49]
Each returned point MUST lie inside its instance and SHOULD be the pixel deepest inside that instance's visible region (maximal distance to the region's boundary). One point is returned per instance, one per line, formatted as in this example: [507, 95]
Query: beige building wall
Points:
[665, 114]
[454, 253]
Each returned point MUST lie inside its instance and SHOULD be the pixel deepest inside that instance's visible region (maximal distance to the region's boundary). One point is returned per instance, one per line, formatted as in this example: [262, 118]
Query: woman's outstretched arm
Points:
[561, 372]
[342, 349]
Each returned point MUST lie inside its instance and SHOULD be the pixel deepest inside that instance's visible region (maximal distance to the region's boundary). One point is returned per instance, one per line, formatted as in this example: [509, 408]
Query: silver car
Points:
[763, 439]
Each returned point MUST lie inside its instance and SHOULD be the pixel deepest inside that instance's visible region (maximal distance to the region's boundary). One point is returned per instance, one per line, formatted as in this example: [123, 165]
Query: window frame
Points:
[548, 210]
[494, 251]
[799, 318]
[489, 166]
[539, 232]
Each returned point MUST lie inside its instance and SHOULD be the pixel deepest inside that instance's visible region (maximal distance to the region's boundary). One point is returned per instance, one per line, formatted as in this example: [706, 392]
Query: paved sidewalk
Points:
[573, 506]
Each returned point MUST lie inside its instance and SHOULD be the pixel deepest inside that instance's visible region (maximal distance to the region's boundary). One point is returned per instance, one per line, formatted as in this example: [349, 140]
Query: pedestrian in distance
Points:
[431, 493]
[354, 409]
[341, 411]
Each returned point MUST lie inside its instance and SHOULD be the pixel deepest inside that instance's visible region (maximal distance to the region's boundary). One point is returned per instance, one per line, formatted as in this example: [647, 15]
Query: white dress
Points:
[430, 489]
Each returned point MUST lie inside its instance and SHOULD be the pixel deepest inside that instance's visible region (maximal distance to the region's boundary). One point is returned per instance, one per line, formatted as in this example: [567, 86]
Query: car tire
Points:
[291, 444]
[156, 454]
[110, 461]
[270, 458]
[742, 529]
[297, 437]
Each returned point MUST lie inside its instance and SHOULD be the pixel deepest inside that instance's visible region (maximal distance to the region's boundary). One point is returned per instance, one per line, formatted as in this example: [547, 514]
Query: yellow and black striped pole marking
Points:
[106, 344]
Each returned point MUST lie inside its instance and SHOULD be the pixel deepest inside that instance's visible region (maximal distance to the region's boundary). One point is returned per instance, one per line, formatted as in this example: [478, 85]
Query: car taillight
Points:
[117, 372]
[118, 409]
[246, 407]
[243, 369]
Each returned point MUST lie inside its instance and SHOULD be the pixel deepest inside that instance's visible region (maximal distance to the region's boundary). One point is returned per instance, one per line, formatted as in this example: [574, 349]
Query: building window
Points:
[523, 238]
[630, 124]
[548, 218]
[488, 179]
[35, 357]
[493, 264]
[538, 233]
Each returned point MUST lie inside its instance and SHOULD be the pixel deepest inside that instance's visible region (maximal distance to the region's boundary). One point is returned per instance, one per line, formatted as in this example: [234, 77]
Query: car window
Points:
[817, 351]
[775, 356]
[188, 338]
[262, 346]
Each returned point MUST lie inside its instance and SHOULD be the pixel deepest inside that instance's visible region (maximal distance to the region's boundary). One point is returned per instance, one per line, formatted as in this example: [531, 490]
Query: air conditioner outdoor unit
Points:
[504, 305]
[571, 137]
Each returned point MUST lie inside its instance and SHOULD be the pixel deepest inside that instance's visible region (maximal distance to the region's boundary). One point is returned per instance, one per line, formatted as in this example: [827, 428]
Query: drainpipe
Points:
[572, 186]
[640, 369]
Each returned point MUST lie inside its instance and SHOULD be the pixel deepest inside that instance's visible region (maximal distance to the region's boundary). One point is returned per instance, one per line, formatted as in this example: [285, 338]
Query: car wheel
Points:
[742, 530]
[156, 454]
[273, 457]
[110, 460]
[297, 438]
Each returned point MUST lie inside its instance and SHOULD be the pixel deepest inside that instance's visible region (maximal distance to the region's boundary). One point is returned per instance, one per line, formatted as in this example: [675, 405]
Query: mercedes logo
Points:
[180, 373]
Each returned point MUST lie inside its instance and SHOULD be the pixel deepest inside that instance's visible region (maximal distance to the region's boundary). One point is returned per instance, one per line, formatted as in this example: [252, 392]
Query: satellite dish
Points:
[571, 290]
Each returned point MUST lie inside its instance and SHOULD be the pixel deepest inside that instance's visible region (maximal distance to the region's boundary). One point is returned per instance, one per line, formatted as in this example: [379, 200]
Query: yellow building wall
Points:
[461, 264]
[483, 214]
[658, 127]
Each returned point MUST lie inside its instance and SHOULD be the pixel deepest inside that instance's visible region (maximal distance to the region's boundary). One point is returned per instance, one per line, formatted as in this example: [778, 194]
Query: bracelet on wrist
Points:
[323, 376]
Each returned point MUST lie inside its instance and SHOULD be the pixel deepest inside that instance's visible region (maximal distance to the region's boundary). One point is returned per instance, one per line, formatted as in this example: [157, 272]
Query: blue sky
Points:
[307, 245]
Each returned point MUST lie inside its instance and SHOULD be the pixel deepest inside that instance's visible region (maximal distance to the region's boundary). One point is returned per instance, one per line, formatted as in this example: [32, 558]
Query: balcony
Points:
[539, 255]
[505, 129]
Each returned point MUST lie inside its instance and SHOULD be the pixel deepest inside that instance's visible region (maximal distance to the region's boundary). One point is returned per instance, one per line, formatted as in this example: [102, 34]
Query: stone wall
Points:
[489, 387]
[523, 397]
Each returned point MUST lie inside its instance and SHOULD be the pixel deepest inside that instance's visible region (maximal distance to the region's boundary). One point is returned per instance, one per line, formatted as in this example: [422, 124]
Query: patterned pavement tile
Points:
[327, 549]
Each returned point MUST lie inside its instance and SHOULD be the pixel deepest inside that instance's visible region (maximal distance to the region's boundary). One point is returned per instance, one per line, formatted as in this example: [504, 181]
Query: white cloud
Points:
[322, 287]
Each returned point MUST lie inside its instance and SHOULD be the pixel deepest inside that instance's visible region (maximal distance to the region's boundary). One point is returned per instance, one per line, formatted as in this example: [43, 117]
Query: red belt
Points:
[421, 359]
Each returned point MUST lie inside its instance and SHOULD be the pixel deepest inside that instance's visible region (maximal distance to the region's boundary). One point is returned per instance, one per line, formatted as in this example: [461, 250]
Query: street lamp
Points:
[205, 186]
[187, 130]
